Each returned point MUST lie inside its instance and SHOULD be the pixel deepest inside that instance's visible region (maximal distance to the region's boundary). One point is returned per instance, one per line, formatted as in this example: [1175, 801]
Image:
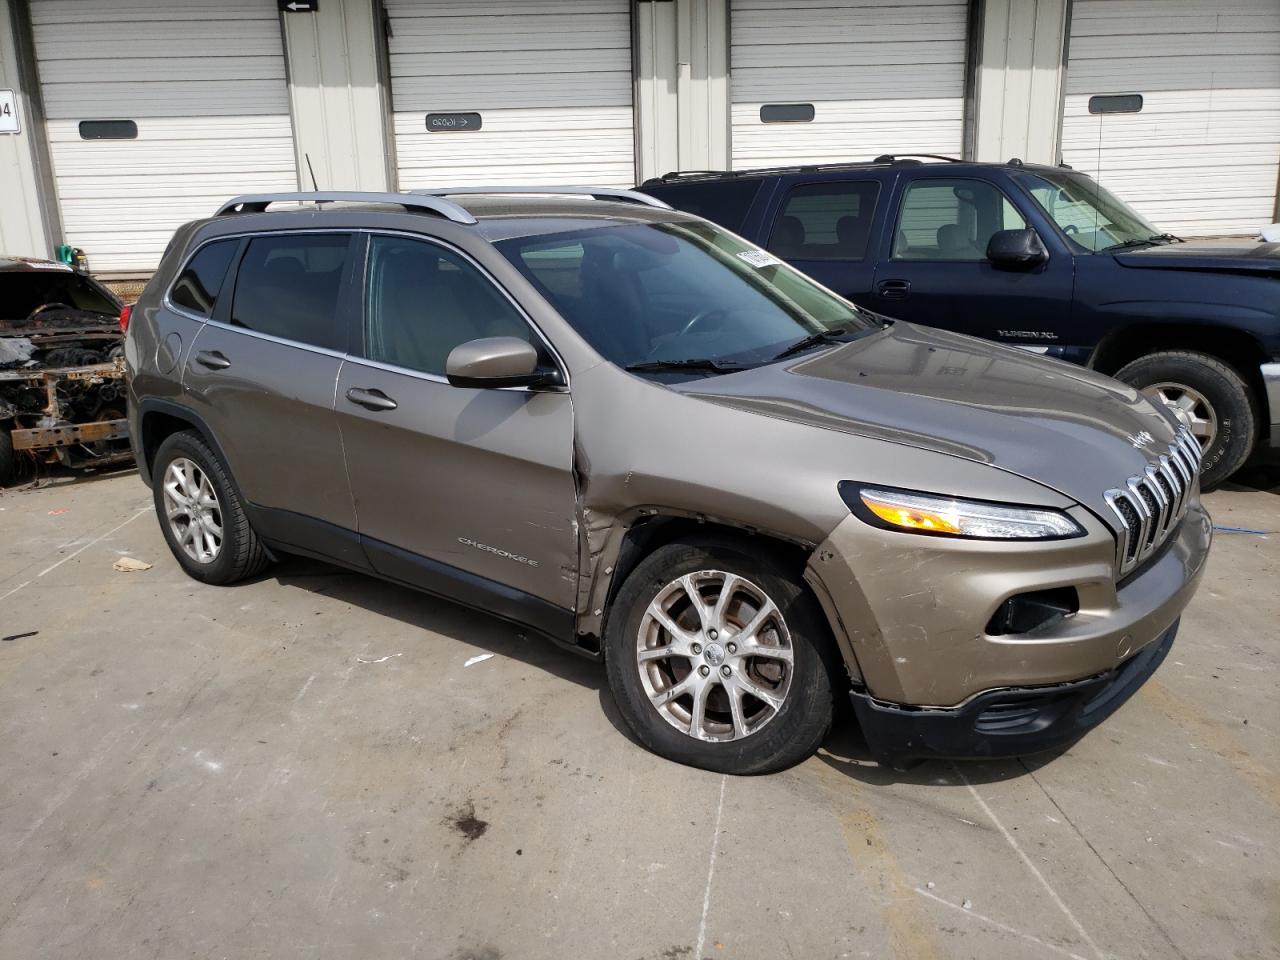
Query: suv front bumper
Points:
[1006, 723]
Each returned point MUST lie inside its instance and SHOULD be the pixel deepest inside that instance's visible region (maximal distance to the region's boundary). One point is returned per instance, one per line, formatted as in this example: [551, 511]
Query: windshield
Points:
[1091, 216]
[24, 292]
[649, 293]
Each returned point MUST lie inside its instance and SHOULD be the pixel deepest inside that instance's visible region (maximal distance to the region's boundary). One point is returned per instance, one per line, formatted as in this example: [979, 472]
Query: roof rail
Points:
[890, 157]
[258, 202]
[595, 193]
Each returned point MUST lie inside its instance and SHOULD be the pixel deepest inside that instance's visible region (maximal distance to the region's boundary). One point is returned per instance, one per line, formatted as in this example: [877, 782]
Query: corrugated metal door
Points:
[883, 77]
[551, 82]
[205, 85]
[1201, 157]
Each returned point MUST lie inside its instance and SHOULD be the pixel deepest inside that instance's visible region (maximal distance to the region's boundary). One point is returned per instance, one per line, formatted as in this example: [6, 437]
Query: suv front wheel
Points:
[200, 513]
[1209, 398]
[720, 659]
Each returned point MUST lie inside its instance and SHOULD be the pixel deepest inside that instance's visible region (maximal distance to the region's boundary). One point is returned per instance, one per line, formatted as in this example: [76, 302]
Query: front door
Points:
[936, 270]
[466, 492]
[261, 374]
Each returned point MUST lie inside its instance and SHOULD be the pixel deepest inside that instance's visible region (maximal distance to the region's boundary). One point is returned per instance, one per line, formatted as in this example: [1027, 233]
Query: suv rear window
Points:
[196, 288]
[826, 221]
[725, 202]
[287, 286]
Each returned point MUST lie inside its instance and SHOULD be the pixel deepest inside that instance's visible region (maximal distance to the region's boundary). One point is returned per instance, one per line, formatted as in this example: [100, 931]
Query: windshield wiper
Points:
[1166, 238]
[813, 340]
[693, 363]
[1131, 242]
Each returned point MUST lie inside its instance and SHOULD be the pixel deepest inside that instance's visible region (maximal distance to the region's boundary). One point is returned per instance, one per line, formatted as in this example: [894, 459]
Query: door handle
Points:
[212, 359]
[371, 399]
[894, 289]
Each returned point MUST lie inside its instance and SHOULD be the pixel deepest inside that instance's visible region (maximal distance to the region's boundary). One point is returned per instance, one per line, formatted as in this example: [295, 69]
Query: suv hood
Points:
[1239, 257]
[1062, 426]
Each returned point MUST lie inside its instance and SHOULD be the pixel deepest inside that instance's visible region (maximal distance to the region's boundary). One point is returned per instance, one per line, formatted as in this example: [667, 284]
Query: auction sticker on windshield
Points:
[759, 259]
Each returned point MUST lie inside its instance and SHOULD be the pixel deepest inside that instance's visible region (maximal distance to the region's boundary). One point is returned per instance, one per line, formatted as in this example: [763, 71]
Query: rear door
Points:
[261, 374]
[463, 491]
[935, 270]
[828, 229]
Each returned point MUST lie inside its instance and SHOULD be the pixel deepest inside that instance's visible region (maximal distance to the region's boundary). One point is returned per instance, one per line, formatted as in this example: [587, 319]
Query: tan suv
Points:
[660, 447]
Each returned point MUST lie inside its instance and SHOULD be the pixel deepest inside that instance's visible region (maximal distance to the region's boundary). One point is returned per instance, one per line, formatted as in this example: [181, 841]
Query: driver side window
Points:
[422, 300]
[951, 219]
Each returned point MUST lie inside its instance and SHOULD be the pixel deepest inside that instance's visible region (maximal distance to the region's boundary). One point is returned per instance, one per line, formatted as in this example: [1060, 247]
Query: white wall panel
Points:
[883, 78]
[552, 81]
[205, 84]
[1202, 156]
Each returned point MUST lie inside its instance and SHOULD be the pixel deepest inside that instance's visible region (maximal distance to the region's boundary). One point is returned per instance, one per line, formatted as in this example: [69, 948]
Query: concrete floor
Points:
[307, 766]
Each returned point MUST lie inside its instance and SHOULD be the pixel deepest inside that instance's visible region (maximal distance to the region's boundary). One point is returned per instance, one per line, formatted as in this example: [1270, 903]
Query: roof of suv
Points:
[879, 164]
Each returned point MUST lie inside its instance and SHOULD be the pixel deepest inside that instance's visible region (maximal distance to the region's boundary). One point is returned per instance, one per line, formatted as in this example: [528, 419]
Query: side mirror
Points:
[494, 362]
[1016, 248]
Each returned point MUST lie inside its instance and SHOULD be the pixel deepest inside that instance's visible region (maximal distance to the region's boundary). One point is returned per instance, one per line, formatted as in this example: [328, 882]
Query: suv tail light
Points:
[125, 312]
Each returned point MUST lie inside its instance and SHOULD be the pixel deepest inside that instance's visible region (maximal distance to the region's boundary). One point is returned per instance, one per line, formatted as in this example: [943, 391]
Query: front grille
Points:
[1150, 505]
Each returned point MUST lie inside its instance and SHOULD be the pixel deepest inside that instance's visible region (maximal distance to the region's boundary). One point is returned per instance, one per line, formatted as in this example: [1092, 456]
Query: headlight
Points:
[954, 517]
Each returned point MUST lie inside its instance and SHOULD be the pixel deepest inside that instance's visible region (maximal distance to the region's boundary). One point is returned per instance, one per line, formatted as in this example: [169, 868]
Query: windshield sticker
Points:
[759, 259]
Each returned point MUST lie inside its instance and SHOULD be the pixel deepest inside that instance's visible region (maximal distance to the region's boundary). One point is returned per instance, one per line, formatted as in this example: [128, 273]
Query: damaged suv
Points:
[61, 369]
[663, 448]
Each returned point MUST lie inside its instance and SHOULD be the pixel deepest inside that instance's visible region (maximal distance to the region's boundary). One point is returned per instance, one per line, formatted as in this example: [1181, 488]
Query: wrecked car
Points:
[62, 396]
[665, 449]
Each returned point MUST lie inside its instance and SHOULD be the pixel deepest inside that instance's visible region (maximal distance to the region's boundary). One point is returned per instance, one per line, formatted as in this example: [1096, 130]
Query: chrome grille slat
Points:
[1149, 507]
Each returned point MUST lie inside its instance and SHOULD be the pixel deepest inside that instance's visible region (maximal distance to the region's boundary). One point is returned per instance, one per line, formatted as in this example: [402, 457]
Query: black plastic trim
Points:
[1058, 715]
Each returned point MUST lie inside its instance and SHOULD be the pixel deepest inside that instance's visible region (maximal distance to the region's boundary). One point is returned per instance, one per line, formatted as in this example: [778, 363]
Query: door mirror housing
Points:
[1016, 248]
[495, 362]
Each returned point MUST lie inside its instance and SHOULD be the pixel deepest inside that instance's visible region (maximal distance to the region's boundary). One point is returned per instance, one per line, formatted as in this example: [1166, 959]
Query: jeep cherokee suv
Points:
[1040, 257]
[660, 446]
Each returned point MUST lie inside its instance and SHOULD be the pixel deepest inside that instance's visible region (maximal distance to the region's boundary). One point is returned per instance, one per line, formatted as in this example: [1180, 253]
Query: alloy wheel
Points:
[715, 656]
[192, 510]
[1191, 408]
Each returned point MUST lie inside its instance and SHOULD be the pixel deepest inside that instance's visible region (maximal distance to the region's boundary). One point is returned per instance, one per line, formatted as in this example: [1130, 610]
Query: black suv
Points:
[1040, 257]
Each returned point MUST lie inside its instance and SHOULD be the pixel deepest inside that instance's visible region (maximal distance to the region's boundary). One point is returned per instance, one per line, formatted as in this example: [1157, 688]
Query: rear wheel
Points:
[720, 659]
[201, 514]
[1209, 398]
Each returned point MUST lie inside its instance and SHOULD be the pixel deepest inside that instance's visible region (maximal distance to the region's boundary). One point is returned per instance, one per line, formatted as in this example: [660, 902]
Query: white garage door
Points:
[1200, 158]
[204, 85]
[548, 84]
[882, 77]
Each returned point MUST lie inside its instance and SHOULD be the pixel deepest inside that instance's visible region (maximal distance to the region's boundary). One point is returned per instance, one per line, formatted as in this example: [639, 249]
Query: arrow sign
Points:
[298, 6]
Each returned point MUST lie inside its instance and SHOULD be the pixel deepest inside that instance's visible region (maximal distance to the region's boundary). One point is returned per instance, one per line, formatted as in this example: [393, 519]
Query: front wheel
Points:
[720, 659]
[1209, 398]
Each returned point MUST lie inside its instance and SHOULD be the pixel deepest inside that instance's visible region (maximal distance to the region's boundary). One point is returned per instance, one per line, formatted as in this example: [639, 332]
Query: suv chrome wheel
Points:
[715, 656]
[1191, 408]
[192, 510]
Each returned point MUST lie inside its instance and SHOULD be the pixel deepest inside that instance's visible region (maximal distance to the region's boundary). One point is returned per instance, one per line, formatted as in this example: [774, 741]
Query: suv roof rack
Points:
[676, 176]
[595, 193]
[891, 157]
[258, 202]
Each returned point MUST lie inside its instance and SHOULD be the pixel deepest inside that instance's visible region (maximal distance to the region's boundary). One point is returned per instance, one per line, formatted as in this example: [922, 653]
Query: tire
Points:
[239, 552]
[775, 737]
[1209, 386]
[10, 470]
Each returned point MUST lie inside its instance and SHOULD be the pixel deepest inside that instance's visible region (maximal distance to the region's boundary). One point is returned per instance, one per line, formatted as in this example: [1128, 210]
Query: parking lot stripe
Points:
[72, 556]
[1030, 865]
[970, 912]
[711, 871]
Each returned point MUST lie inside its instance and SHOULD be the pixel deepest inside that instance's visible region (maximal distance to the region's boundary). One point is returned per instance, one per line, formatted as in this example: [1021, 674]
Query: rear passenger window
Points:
[826, 221]
[196, 289]
[287, 286]
[423, 300]
[725, 202]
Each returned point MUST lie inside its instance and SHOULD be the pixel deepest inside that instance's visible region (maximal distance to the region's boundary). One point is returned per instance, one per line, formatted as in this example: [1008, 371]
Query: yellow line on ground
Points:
[1215, 737]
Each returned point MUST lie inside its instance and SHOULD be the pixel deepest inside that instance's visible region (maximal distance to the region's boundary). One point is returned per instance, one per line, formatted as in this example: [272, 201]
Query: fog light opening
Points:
[1036, 610]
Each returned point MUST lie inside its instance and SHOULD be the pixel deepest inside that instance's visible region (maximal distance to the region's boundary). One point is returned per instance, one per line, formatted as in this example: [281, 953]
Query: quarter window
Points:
[423, 300]
[826, 221]
[196, 289]
[951, 220]
[287, 286]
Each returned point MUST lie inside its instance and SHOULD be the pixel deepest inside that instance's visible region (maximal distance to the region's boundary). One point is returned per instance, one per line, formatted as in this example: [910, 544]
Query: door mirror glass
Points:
[494, 362]
[1014, 248]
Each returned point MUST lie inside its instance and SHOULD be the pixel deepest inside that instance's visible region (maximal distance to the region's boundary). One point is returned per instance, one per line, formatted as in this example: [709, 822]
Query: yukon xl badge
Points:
[1140, 440]
[467, 542]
